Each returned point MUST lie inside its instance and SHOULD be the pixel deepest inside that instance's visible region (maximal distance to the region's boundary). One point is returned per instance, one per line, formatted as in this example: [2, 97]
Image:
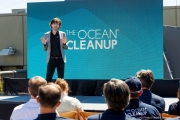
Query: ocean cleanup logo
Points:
[92, 39]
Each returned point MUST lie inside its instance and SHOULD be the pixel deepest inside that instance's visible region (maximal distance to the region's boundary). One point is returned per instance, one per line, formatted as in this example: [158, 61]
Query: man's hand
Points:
[44, 41]
[64, 40]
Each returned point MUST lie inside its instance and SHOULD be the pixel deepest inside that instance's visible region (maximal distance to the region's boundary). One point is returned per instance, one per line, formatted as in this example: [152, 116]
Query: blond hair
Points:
[146, 77]
[63, 84]
[34, 84]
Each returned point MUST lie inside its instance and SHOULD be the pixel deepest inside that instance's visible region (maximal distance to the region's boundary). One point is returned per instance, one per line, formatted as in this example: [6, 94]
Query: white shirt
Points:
[27, 111]
[68, 104]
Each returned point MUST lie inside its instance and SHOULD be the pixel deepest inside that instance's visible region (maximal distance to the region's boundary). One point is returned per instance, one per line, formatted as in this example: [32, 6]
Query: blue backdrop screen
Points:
[106, 38]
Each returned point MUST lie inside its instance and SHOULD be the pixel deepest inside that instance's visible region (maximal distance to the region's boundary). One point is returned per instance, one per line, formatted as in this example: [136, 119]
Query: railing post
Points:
[1, 84]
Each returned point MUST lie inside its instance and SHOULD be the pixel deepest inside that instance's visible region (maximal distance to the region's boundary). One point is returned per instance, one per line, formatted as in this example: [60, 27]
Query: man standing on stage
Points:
[54, 42]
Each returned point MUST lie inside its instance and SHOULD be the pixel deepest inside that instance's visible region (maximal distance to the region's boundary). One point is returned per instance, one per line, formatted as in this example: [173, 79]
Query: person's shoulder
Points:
[148, 106]
[71, 99]
[157, 97]
[172, 108]
[47, 32]
[173, 104]
[94, 117]
[17, 111]
[61, 32]
[151, 109]
[19, 107]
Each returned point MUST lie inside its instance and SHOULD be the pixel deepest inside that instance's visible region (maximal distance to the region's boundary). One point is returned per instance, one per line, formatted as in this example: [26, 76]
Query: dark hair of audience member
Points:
[49, 95]
[116, 93]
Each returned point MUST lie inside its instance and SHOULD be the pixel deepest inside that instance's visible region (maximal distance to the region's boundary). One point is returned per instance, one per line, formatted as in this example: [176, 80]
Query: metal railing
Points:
[12, 71]
[167, 64]
[10, 88]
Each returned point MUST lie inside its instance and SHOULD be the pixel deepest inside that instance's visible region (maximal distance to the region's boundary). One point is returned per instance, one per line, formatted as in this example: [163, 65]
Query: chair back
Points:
[166, 115]
[86, 114]
[70, 114]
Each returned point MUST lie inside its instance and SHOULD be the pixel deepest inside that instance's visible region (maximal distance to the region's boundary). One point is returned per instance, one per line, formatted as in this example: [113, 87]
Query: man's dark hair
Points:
[49, 95]
[55, 20]
[116, 93]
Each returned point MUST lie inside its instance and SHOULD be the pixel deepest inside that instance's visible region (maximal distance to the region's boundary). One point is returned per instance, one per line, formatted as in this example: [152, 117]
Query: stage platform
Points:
[89, 103]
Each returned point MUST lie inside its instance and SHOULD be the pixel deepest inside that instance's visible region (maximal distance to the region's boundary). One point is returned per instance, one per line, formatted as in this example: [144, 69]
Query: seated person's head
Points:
[146, 77]
[34, 84]
[63, 84]
[116, 94]
[49, 96]
[135, 87]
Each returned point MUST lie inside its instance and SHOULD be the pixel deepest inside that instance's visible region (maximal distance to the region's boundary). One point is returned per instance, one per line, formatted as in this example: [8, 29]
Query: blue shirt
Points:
[50, 116]
[153, 99]
[27, 111]
[174, 108]
[110, 114]
[138, 109]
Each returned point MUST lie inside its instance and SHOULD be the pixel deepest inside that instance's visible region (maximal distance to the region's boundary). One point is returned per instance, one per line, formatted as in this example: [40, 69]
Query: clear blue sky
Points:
[7, 5]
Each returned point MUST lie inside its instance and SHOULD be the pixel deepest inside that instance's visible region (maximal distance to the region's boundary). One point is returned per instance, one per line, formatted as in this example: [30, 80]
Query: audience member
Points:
[147, 79]
[49, 99]
[174, 108]
[68, 103]
[116, 94]
[29, 110]
[136, 107]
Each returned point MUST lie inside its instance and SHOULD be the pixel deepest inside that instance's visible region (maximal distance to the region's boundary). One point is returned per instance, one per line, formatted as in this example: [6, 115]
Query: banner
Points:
[106, 38]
